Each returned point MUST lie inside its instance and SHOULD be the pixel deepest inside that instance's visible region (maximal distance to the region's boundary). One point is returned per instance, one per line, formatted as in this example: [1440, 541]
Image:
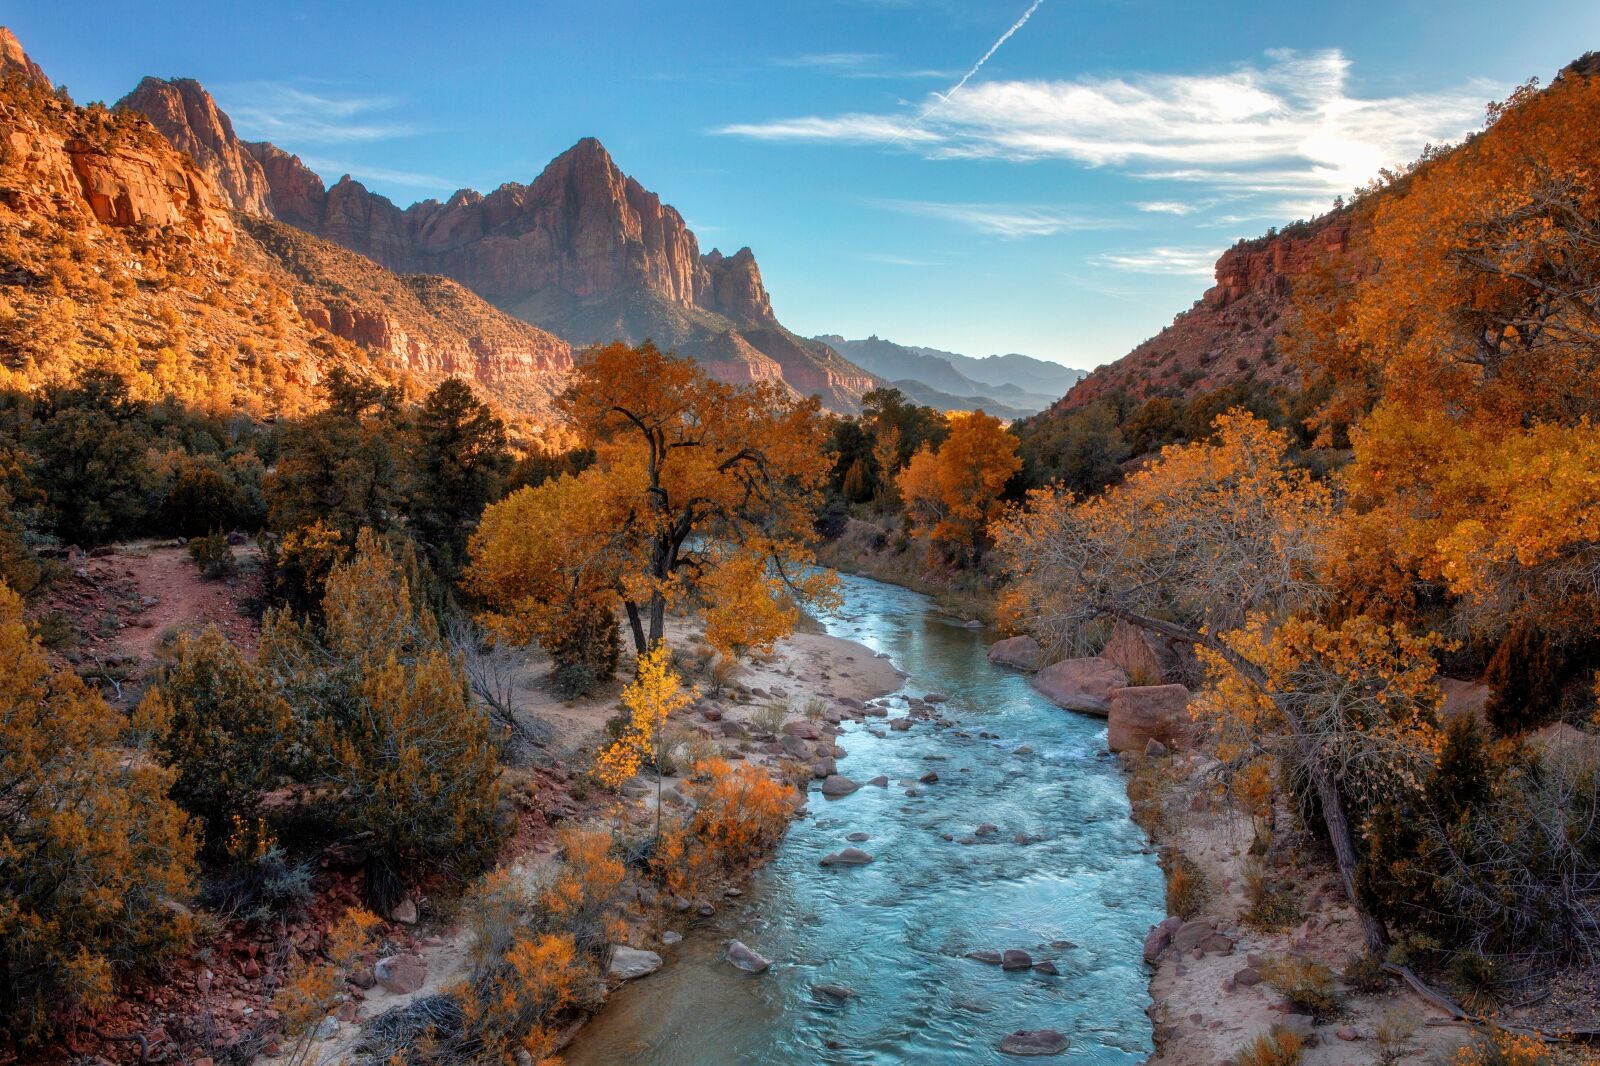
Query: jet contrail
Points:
[942, 98]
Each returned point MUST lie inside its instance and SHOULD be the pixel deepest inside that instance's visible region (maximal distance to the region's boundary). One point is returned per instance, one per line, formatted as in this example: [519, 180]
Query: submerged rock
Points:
[834, 992]
[1034, 1042]
[1015, 959]
[745, 959]
[993, 958]
[847, 857]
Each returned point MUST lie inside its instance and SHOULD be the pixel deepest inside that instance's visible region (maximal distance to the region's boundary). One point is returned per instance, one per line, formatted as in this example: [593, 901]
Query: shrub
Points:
[1187, 890]
[1308, 985]
[1270, 908]
[1392, 1034]
[313, 990]
[589, 639]
[770, 716]
[212, 554]
[227, 732]
[418, 769]
[739, 815]
[1365, 973]
[96, 858]
[1500, 1048]
[574, 681]
[1478, 981]
[1276, 1047]
[259, 881]
[720, 674]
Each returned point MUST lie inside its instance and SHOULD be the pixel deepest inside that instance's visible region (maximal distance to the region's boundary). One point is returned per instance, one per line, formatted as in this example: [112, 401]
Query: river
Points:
[896, 930]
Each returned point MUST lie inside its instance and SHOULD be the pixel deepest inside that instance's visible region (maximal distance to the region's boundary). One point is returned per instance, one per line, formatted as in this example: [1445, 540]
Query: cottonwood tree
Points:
[691, 479]
[1216, 545]
[951, 495]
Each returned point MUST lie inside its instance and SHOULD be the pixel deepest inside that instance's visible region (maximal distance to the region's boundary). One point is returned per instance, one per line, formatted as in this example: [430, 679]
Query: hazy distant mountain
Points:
[944, 401]
[1020, 383]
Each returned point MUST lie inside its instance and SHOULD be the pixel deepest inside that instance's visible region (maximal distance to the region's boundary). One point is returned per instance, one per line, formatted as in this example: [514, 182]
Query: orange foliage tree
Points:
[695, 484]
[953, 494]
[1477, 337]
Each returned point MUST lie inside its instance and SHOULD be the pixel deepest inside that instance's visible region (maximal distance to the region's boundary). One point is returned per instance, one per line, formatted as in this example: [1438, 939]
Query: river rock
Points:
[1020, 652]
[901, 724]
[671, 937]
[1081, 684]
[1160, 935]
[834, 992]
[1023, 749]
[400, 974]
[987, 829]
[1015, 959]
[1034, 1042]
[1138, 715]
[858, 836]
[1191, 935]
[879, 782]
[838, 785]
[803, 728]
[745, 959]
[794, 747]
[629, 964]
[1247, 978]
[993, 958]
[1047, 968]
[936, 697]
[846, 857]
[929, 778]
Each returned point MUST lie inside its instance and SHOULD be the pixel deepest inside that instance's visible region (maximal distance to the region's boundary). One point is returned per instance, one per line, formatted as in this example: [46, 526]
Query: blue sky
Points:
[1066, 201]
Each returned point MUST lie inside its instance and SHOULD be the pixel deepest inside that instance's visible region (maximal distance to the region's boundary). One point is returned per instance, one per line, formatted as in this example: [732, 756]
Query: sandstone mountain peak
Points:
[12, 57]
[583, 250]
[188, 117]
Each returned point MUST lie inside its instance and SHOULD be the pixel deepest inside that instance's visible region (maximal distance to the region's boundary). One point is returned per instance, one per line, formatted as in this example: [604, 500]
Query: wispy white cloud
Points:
[1183, 262]
[1291, 128]
[844, 129]
[1010, 221]
[287, 114]
[1168, 207]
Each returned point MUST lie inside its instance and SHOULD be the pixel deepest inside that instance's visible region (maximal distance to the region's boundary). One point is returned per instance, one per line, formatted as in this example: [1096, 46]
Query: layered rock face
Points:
[584, 251]
[192, 122]
[125, 174]
[1231, 333]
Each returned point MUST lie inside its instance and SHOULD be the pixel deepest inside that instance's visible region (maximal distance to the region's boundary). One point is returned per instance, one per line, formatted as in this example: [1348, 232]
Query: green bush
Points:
[213, 555]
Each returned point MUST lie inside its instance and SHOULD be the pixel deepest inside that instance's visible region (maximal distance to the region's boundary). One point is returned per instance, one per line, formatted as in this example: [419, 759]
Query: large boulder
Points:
[1463, 699]
[401, 974]
[628, 964]
[1138, 715]
[838, 785]
[1021, 652]
[1081, 684]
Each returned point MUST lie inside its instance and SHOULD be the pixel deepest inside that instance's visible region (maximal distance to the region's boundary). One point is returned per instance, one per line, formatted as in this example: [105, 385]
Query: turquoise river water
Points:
[896, 930]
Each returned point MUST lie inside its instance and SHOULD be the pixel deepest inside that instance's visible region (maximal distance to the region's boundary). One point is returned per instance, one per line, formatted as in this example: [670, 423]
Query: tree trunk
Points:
[658, 618]
[637, 625]
[1344, 854]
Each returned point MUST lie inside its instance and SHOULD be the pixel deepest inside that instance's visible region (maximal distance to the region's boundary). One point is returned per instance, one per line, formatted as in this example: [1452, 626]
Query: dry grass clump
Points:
[1308, 985]
[1271, 908]
[1187, 889]
[1276, 1047]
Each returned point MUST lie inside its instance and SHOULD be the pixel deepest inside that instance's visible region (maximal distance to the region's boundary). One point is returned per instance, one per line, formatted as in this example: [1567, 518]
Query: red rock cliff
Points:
[188, 118]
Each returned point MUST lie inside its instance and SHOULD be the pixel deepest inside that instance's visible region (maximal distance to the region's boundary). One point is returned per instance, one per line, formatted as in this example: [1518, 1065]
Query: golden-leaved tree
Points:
[95, 860]
[1476, 334]
[698, 488]
[952, 494]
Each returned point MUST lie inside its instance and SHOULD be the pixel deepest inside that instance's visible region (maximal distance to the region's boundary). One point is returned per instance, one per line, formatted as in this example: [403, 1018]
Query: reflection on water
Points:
[896, 930]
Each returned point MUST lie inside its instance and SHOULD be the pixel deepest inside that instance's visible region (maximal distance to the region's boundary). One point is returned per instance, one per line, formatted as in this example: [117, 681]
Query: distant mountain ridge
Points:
[1020, 384]
[584, 251]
